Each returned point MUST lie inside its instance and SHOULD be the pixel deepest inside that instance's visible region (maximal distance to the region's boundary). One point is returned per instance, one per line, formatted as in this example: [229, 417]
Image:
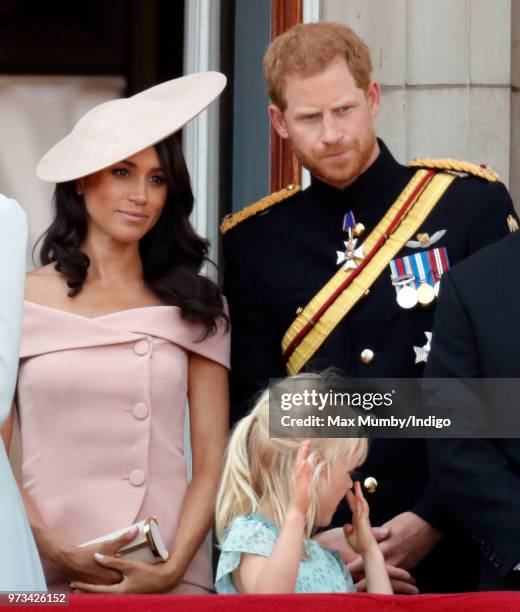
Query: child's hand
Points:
[300, 491]
[359, 535]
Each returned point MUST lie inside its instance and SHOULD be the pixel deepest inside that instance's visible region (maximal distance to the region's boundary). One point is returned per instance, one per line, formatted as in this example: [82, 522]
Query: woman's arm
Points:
[209, 418]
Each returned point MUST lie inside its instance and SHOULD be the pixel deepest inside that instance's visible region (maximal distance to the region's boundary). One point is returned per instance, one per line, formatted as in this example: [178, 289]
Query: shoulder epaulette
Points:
[233, 219]
[453, 165]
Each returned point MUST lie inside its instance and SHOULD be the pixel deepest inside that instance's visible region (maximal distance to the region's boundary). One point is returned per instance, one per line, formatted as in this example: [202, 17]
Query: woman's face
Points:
[125, 200]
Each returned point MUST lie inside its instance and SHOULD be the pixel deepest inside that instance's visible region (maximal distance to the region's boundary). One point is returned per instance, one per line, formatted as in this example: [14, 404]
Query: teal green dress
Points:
[323, 572]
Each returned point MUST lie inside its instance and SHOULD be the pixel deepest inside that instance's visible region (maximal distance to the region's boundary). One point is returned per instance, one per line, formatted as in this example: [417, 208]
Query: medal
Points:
[350, 255]
[425, 294]
[421, 266]
[438, 259]
[407, 297]
[422, 352]
[403, 280]
[404, 286]
[351, 252]
[416, 277]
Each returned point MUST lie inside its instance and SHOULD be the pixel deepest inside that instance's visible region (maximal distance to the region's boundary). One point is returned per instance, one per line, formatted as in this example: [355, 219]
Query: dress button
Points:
[142, 347]
[367, 356]
[137, 478]
[140, 411]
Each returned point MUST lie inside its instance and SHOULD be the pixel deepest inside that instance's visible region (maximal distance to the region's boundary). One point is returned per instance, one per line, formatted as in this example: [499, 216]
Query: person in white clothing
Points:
[20, 567]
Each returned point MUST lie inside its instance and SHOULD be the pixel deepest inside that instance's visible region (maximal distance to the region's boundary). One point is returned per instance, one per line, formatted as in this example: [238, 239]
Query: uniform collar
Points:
[369, 187]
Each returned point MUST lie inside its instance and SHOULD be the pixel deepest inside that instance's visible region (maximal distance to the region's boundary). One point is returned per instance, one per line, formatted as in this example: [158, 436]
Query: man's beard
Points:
[347, 170]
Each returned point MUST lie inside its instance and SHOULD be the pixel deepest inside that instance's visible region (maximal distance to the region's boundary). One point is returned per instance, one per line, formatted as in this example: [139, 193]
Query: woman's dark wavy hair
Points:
[171, 252]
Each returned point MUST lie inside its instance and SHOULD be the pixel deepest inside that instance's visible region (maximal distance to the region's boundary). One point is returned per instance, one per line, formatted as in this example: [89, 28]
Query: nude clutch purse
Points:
[146, 547]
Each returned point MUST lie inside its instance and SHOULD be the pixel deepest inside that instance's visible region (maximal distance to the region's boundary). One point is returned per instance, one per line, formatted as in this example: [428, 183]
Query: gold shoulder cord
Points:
[454, 165]
[234, 219]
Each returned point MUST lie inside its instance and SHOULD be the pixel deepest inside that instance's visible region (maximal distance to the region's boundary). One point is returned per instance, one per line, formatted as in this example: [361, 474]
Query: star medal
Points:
[352, 252]
[422, 352]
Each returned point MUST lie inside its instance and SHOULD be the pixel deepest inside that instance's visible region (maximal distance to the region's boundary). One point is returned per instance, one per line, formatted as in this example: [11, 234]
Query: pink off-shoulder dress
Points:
[102, 406]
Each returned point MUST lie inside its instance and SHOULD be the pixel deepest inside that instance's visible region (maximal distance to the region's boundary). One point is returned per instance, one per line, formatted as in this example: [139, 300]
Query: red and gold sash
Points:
[342, 292]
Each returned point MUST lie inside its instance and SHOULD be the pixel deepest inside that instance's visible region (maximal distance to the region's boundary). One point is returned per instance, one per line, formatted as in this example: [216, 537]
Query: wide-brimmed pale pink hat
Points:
[118, 129]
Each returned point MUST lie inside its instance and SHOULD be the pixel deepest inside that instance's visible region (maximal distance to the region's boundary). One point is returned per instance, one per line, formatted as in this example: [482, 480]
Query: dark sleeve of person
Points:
[255, 343]
[490, 204]
[471, 476]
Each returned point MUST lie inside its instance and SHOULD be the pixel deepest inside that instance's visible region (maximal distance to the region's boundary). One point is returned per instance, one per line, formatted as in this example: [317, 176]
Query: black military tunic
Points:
[477, 334]
[276, 261]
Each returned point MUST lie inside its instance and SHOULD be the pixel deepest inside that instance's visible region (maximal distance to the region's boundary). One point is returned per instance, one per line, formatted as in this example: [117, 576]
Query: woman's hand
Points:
[137, 577]
[78, 563]
[359, 535]
[299, 492]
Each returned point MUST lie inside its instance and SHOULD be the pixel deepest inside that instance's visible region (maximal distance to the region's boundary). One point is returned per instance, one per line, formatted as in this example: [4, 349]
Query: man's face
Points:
[329, 121]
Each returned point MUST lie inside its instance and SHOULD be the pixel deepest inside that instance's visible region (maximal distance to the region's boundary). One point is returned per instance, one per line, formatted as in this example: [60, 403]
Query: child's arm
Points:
[361, 538]
[278, 572]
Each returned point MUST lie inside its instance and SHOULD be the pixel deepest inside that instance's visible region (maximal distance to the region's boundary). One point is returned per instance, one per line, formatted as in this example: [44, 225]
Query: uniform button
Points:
[359, 230]
[140, 411]
[370, 484]
[142, 347]
[498, 562]
[367, 356]
[137, 478]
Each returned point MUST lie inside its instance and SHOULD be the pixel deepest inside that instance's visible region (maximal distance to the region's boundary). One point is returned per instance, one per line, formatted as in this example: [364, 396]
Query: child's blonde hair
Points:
[258, 468]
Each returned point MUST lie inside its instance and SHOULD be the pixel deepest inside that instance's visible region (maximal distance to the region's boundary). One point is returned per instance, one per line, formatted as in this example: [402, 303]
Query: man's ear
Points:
[374, 98]
[278, 121]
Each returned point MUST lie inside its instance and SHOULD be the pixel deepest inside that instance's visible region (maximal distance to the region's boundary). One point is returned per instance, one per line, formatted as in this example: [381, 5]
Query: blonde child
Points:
[273, 493]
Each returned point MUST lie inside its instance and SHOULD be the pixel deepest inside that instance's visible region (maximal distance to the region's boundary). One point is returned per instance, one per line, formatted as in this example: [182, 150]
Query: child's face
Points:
[331, 491]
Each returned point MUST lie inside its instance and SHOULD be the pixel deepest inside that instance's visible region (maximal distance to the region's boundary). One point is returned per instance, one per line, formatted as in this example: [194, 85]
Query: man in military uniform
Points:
[481, 478]
[392, 229]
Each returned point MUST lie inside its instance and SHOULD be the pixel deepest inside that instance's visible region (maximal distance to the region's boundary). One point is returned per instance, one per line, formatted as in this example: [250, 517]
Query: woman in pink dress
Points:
[119, 332]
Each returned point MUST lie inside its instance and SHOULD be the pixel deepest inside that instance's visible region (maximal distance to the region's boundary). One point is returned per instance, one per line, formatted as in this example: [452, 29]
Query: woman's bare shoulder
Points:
[45, 285]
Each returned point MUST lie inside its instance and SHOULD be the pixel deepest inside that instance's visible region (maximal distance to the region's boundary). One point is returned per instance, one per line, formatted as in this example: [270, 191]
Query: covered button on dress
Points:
[102, 406]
